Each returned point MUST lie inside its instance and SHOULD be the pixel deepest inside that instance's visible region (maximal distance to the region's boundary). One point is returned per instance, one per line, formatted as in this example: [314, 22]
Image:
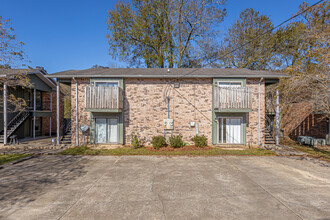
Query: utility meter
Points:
[168, 124]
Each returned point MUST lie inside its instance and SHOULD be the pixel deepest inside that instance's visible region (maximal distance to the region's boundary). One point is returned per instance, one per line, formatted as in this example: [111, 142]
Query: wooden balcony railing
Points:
[232, 98]
[103, 97]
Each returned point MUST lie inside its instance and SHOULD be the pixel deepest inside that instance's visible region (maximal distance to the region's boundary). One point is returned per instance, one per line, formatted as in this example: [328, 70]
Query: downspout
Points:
[277, 123]
[5, 123]
[77, 123]
[168, 107]
[34, 112]
[259, 97]
[57, 113]
[51, 109]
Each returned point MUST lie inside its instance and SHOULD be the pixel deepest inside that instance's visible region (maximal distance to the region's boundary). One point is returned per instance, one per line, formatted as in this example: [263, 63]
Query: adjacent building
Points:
[38, 117]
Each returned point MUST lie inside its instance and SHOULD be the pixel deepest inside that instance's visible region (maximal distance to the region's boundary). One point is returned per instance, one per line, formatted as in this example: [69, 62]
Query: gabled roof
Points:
[167, 73]
[38, 72]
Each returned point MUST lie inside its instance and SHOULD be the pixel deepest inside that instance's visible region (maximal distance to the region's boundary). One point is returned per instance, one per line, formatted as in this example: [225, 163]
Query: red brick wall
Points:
[83, 116]
[45, 120]
[299, 120]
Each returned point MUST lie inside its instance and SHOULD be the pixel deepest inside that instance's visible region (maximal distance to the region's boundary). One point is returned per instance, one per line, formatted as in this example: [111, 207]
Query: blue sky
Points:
[61, 35]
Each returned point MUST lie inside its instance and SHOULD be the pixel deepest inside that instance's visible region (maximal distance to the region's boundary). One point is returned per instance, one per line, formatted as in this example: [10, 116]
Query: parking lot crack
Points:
[152, 187]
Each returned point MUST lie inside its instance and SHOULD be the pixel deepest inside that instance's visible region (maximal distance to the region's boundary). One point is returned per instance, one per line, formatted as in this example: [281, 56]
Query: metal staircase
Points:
[14, 124]
[269, 139]
[269, 131]
[66, 138]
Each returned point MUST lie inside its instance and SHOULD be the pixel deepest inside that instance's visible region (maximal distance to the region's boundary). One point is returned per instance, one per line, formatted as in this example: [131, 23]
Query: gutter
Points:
[167, 76]
[259, 97]
[77, 123]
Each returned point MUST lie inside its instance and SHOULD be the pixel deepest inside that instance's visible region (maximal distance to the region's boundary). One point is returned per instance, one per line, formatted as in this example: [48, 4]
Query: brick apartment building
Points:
[225, 105]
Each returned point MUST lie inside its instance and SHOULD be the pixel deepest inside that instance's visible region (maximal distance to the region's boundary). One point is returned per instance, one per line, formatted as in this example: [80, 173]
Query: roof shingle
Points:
[166, 73]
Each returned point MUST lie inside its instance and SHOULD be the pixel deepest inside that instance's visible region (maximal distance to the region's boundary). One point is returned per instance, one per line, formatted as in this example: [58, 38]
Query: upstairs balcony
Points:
[42, 108]
[103, 99]
[232, 99]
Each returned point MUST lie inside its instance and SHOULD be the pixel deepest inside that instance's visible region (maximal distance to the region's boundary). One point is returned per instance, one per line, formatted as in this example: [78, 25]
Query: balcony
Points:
[103, 99]
[232, 99]
[42, 109]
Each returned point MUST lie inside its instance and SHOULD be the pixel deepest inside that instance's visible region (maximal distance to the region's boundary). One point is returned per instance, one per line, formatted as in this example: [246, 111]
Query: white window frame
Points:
[218, 128]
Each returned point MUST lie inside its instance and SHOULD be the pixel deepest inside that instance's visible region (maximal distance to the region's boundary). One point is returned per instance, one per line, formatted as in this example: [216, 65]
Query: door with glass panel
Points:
[230, 130]
[106, 130]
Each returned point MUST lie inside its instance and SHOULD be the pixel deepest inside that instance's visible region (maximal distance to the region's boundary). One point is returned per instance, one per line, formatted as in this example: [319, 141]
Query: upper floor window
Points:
[230, 84]
[106, 84]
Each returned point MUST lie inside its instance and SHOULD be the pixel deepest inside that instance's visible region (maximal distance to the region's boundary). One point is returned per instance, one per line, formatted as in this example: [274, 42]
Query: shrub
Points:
[158, 141]
[199, 141]
[176, 141]
[136, 141]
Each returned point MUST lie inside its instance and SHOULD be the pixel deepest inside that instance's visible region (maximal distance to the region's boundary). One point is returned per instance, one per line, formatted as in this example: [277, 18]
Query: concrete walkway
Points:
[284, 150]
[146, 187]
[41, 145]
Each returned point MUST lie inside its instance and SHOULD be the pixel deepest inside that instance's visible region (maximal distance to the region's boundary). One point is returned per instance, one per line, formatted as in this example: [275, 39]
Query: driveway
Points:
[147, 187]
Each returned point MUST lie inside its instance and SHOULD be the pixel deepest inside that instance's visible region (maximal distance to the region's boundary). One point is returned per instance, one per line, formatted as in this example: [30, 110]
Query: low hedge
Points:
[158, 141]
[200, 141]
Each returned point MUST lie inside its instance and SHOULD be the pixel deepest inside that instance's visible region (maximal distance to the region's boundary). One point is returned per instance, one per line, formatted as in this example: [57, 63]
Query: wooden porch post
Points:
[51, 110]
[4, 113]
[58, 112]
[34, 112]
[277, 122]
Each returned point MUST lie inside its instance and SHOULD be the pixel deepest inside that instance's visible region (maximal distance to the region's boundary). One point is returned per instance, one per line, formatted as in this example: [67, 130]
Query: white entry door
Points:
[106, 130]
[230, 130]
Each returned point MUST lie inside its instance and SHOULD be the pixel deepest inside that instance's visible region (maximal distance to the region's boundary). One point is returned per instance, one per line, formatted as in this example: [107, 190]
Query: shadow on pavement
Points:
[23, 182]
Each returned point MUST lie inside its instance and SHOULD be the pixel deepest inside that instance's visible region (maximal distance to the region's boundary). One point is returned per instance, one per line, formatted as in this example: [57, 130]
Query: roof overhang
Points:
[47, 80]
[164, 76]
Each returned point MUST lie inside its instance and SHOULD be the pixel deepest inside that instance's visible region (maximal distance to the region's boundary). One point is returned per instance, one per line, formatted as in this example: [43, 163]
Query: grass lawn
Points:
[11, 157]
[311, 151]
[166, 151]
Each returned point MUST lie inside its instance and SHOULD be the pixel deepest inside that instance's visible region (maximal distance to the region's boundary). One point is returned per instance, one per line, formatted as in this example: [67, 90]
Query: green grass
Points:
[145, 151]
[311, 151]
[11, 157]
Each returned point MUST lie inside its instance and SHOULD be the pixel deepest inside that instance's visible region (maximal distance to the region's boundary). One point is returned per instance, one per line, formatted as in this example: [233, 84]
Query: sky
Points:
[71, 34]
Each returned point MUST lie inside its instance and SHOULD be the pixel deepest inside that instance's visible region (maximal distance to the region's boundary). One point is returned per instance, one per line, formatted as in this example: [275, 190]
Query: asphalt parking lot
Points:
[149, 187]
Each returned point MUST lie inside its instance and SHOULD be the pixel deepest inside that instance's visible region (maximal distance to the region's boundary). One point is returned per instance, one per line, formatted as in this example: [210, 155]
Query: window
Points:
[230, 84]
[106, 84]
